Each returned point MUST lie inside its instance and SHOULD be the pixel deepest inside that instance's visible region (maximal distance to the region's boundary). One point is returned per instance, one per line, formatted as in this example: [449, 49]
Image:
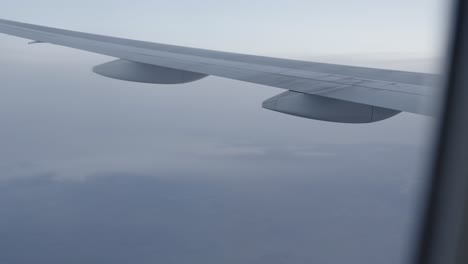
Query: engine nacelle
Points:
[145, 73]
[326, 109]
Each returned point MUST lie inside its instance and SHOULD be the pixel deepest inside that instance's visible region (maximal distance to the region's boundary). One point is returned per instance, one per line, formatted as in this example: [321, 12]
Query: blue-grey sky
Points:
[290, 28]
[95, 170]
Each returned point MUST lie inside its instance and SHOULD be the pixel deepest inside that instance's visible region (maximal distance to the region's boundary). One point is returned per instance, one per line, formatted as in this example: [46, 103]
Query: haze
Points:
[95, 170]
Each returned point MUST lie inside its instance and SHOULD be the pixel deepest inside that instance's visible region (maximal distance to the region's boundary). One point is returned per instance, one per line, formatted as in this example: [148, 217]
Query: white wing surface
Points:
[320, 91]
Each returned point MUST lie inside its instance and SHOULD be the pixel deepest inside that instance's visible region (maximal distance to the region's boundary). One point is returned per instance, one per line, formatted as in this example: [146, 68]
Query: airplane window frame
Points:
[444, 233]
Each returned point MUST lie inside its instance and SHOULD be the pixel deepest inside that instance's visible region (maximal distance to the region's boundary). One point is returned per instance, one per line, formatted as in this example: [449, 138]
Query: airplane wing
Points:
[321, 91]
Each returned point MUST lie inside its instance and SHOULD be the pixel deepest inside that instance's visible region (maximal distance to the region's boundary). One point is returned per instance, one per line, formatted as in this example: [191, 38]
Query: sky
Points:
[95, 170]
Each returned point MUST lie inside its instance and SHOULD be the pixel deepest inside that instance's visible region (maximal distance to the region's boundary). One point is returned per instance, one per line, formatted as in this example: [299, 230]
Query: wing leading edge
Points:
[338, 88]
